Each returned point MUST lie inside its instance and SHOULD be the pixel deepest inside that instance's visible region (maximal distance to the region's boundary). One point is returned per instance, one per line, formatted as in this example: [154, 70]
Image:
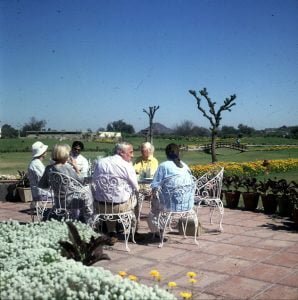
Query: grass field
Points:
[15, 154]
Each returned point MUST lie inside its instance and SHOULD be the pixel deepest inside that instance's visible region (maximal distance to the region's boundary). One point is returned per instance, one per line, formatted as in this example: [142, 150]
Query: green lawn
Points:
[11, 162]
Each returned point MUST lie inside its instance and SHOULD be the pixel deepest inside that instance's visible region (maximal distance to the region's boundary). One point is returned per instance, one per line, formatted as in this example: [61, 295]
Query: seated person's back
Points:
[177, 192]
[171, 174]
[109, 173]
[60, 156]
[113, 176]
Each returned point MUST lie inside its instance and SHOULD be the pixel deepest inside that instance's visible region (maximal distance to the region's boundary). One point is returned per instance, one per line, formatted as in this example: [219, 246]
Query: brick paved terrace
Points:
[256, 257]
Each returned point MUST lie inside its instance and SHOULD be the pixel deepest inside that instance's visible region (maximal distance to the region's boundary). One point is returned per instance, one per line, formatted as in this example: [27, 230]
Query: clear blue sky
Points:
[81, 64]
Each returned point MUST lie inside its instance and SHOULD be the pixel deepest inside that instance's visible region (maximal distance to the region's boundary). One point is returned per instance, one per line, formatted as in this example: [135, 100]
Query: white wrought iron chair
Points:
[176, 201]
[42, 199]
[44, 204]
[107, 188]
[208, 193]
[70, 196]
[144, 194]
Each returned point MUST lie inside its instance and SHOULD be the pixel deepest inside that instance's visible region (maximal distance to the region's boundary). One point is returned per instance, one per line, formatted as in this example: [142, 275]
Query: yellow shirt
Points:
[141, 166]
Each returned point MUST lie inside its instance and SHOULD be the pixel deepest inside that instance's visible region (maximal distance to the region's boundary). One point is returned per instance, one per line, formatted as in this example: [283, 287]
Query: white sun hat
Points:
[38, 148]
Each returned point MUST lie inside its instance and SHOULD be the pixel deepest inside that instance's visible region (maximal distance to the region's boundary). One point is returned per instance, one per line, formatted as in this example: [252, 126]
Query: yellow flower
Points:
[154, 273]
[133, 278]
[172, 284]
[191, 274]
[185, 295]
[192, 280]
[122, 273]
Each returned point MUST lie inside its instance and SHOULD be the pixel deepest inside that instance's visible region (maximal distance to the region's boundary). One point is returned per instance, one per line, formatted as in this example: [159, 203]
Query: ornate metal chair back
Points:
[110, 191]
[208, 193]
[209, 186]
[42, 199]
[176, 203]
[69, 195]
[177, 193]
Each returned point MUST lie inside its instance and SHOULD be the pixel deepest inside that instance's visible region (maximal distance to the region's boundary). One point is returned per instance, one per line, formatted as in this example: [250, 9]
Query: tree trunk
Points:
[213, 147]
[151, 130]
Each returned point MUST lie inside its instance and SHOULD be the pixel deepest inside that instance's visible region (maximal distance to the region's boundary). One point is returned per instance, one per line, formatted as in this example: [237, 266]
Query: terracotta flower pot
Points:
[269, 203]
[25, 194]
[232, 199]
[250, 200]
[284, 207]
[295, 216]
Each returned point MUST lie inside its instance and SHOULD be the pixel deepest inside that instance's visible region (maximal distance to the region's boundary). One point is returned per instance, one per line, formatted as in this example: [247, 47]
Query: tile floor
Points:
[256, 257]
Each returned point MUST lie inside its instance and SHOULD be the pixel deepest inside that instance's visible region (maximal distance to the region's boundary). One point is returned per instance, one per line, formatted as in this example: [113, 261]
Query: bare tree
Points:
[213, 116]
[151, 113]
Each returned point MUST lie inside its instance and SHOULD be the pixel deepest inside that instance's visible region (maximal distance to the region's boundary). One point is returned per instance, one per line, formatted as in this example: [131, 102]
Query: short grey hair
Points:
[119, 147]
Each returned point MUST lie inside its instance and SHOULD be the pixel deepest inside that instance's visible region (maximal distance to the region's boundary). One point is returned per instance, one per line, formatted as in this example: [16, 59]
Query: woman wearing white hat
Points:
[35, 171]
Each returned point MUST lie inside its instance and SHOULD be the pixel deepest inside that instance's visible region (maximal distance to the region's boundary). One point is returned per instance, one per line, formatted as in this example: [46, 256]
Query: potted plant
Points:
[232, 196]
[7, 187]
[251, 195]
[285, 191]
[282, 189]
[269, 199]
[293, 194]
[23, 187]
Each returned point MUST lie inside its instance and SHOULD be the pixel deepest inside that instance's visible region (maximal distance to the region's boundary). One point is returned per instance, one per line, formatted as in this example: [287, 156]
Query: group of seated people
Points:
[69, 160]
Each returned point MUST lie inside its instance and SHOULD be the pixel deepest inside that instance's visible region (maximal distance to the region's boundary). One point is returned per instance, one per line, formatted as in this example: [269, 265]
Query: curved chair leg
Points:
[140, 206]
[33, 210]
[194, 216]
[211, 209]
[184, 227]
[134, 223]
[219, 205]
[163, 220]
[39, 212]
[126, 221]
[221, 211]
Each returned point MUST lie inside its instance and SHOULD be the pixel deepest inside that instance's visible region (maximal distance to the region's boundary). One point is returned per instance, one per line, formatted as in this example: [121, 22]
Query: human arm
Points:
[73, 163]
[132, 177]
[158, 177]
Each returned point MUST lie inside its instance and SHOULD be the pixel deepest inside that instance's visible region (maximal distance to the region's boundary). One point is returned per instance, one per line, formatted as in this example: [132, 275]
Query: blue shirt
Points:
[177, 186]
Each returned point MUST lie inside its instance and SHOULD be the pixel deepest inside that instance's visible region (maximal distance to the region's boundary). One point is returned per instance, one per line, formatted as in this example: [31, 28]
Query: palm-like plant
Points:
[23, 180]
[250, 184]
[86, 252]
[227, 182]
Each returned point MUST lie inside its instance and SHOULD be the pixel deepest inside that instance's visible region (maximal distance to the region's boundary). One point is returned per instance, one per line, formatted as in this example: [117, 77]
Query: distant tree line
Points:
[186, 128]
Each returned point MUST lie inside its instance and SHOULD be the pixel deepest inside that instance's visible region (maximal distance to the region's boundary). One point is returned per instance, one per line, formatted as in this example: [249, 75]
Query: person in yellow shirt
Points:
[146, 165]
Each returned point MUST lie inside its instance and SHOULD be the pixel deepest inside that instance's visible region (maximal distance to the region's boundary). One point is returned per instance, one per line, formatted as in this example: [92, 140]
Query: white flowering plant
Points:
[33, 268]
[8, 177]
